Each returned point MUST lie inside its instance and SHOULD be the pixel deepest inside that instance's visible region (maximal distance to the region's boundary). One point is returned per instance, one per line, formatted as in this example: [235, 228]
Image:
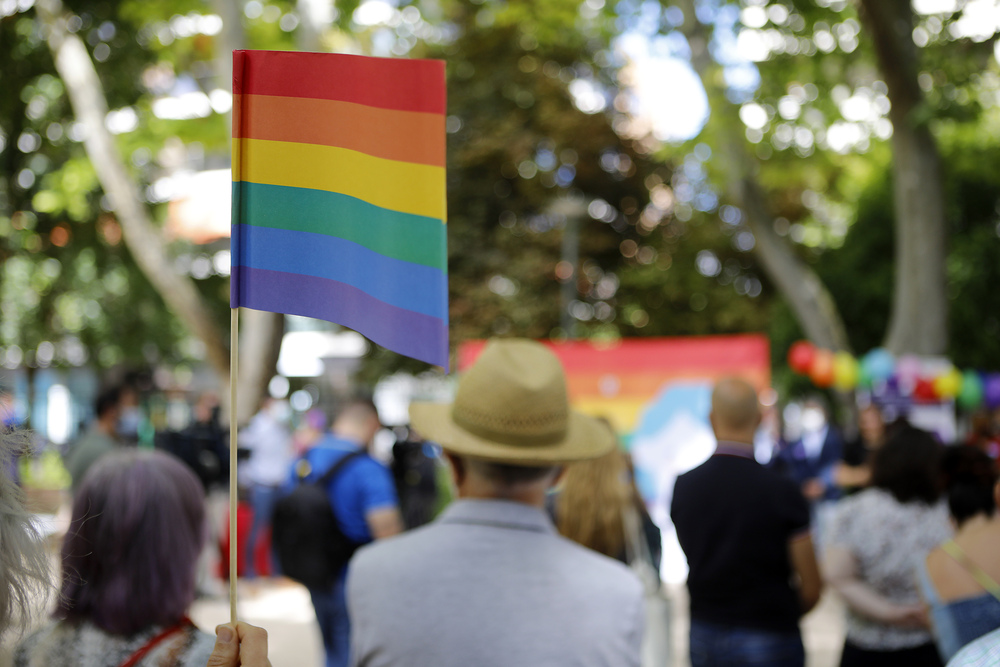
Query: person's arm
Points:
[840, 569]
[848, 475]
[378, 499]
[239, 645]
[802, 557]
[384, 522]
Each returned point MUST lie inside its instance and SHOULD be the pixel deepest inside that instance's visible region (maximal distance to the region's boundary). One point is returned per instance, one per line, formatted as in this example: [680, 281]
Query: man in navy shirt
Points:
[364, 502]
[745, 532]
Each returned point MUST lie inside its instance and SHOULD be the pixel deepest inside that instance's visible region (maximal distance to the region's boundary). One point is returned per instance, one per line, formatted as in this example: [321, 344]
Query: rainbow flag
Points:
[339, 194]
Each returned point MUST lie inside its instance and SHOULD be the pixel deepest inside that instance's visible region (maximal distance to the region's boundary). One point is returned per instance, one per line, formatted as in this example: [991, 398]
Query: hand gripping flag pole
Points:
[339, 207]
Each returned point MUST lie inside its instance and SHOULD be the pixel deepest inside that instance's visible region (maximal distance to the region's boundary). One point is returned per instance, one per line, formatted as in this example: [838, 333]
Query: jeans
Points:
[263, 498]
[721, 646]
[331, 612]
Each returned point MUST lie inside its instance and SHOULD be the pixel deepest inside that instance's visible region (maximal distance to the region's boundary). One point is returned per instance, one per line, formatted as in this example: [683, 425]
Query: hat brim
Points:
[586, 438]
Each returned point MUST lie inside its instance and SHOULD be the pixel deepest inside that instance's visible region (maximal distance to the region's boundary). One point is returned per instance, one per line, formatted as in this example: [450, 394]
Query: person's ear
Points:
[557, 478]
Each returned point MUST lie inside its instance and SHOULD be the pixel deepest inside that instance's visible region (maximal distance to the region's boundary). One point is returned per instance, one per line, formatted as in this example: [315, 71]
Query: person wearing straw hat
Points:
[491, 582]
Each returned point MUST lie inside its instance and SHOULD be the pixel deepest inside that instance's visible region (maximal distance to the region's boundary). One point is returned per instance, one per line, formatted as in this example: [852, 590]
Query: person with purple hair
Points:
[128, 570]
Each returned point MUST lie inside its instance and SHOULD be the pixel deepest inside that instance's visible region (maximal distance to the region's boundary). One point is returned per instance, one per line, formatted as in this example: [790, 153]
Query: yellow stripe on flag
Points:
[398, 186]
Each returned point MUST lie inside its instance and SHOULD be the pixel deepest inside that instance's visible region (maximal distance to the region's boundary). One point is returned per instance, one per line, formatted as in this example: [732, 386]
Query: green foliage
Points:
[66, 279]
[662, 251]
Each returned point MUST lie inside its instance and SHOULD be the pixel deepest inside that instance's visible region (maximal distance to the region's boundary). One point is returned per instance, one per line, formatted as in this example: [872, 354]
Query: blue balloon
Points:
[879, 364]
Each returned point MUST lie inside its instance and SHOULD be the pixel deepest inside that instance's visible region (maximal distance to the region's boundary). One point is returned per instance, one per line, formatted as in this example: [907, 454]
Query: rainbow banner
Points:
[339, 194]
[624, 379]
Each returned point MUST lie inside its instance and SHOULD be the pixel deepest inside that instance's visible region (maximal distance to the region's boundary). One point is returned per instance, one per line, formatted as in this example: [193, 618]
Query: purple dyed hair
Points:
[130, 555]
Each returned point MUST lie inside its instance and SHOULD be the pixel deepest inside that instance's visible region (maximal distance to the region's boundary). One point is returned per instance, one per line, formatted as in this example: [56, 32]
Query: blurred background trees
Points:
[593, 191]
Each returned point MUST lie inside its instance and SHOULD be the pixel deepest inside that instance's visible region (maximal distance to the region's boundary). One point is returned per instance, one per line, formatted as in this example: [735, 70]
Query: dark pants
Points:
[925, 655]
[263, 498]
[721, 646]
[331, 612]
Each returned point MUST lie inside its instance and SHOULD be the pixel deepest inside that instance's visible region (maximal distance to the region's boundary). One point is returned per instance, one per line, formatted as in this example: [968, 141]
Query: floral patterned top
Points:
[888, 539]
[85, 645]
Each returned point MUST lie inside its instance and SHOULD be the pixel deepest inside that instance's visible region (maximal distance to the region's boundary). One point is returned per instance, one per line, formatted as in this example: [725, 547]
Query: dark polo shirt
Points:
[734, 519]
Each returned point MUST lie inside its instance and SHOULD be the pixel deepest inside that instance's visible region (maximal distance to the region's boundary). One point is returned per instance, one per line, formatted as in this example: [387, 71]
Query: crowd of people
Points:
[872, 512]
[533, 562]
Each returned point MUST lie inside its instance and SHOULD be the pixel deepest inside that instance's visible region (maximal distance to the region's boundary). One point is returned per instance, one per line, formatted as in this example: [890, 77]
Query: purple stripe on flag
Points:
[404, 331]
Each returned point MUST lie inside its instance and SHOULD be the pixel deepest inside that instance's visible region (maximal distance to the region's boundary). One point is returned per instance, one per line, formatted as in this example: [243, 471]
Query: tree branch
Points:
[802, 288]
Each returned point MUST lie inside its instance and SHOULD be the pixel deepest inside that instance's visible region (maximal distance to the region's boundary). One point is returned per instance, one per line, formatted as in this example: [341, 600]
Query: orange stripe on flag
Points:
[404, 136]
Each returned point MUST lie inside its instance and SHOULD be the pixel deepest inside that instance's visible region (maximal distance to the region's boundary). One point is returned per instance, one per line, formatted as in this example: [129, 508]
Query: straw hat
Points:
[511, 407]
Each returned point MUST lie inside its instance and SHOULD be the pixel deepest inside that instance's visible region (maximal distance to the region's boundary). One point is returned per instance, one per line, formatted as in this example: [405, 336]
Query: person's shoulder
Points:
[982, 652]
[866, 504]
[602, 567]
[401, 556]
[695, 475]
[47, 639]
[863, 499]
[605, 581]
[199, 647]
[365, 469]
[404, 547]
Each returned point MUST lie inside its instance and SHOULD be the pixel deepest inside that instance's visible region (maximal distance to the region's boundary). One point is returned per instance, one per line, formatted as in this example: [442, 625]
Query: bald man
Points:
[745, 532]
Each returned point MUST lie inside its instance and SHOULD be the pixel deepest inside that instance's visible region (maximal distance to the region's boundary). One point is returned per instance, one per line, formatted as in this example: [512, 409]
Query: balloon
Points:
[864, 377]
[908, 369]
[800, 356]
[923, 390]
[845, 371]
[879, 364]
[970, 396]
[991, 390]
[821, 371]
[948, 384]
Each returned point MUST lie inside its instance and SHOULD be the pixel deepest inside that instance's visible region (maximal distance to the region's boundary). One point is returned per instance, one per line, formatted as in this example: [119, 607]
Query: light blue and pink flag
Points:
[339, 194]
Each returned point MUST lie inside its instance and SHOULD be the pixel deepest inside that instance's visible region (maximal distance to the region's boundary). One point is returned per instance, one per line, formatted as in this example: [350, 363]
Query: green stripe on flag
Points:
[403, 236]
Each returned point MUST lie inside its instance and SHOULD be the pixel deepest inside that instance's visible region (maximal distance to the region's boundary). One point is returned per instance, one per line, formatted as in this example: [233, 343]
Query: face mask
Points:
[813, 419]
[128, 422]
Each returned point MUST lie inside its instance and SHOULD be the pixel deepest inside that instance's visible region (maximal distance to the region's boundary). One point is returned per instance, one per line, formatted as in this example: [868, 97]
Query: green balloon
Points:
[970, 396]
[864, 377]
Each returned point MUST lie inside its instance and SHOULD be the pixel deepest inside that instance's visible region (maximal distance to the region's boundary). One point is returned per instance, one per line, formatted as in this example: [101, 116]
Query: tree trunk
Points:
[260, 342]
[810, 301]
[260, 332]
[143, 238]
[919, 320]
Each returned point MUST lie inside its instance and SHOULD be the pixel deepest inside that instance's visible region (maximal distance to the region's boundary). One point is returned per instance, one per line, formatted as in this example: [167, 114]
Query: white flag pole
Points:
[234, 362]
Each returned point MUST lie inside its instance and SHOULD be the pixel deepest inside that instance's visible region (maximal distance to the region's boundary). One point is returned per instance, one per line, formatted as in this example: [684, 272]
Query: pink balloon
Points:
[908, 369]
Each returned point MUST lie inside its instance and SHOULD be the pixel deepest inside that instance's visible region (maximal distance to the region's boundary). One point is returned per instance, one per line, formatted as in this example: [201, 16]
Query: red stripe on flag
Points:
[388, 83]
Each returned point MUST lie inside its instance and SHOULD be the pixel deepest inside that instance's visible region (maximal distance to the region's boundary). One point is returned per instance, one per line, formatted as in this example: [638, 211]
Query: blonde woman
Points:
[595, 495]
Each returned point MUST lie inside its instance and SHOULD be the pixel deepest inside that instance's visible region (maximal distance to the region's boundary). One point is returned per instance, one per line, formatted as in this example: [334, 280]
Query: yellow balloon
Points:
[949, 384]
[845, 371]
